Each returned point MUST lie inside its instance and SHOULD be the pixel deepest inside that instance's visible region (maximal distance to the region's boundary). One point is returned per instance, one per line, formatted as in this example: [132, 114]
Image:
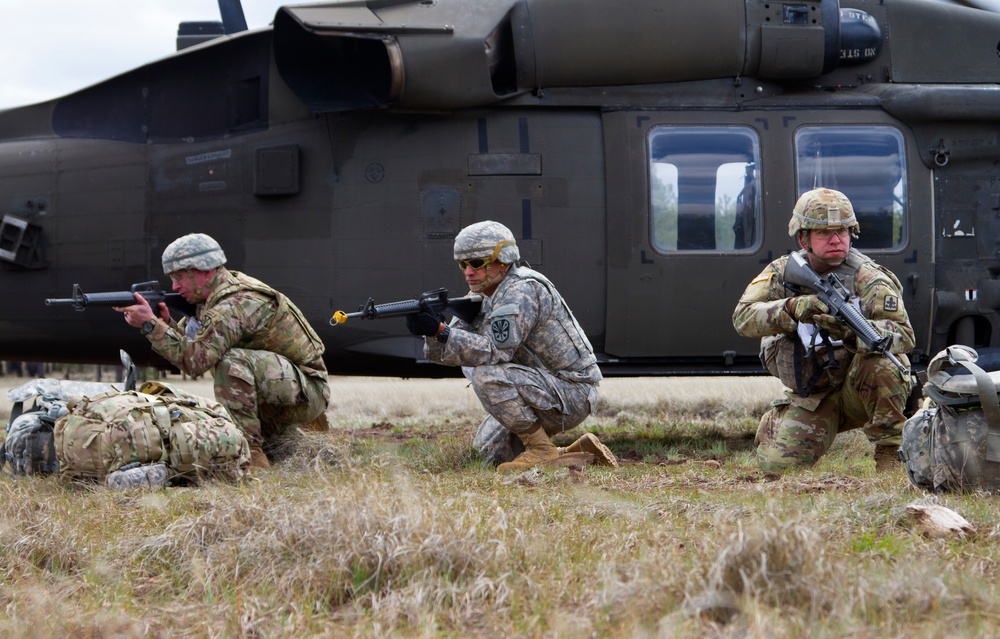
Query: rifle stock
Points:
[464, 308]
[832, 292]
[149, 290]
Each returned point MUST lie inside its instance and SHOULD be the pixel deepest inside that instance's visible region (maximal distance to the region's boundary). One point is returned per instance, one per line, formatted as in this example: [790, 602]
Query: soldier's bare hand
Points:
[137, 314]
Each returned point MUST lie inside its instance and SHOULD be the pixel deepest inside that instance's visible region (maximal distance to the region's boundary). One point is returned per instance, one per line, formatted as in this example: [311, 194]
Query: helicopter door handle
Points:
[914, 279]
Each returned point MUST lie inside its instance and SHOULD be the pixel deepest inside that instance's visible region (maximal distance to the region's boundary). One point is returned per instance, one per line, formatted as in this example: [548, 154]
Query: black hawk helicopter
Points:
[646, 154]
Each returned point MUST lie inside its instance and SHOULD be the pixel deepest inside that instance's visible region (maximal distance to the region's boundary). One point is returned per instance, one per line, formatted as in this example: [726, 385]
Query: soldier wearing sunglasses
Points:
[529, 361]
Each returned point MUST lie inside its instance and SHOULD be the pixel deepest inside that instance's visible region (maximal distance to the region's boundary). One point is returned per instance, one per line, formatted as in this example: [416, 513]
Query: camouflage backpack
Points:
[953, 442]
[159, 423]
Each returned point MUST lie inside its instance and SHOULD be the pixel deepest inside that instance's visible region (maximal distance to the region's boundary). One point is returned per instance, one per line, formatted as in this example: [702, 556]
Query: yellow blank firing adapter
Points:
[338, 318]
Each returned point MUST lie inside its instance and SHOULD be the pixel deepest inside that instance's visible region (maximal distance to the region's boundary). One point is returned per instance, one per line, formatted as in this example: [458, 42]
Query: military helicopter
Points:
[646, 154]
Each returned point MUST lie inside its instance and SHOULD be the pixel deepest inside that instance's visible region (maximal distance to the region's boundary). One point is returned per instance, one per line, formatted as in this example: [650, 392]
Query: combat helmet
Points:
[487, 239]
[195, 250]
[820, 209]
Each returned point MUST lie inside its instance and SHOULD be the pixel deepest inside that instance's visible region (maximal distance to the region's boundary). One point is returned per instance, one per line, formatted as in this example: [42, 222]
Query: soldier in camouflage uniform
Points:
[269, 370]
[832, 383]
[527, 357]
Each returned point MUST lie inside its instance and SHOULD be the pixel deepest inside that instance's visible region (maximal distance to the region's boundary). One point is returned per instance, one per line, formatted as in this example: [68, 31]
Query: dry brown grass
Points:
[387, 526]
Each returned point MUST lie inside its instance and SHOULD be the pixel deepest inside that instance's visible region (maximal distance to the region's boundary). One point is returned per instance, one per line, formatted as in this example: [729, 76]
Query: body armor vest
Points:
[557, 343]
[288, 334]
[784, 356]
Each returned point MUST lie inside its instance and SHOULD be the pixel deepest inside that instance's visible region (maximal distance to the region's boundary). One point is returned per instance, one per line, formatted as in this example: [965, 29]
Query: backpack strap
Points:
[988, 399]
[161, 415]
[991, 408]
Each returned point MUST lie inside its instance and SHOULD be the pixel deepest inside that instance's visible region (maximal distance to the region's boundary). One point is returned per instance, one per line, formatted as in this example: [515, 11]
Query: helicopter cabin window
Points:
[704, 188]
[866, 165]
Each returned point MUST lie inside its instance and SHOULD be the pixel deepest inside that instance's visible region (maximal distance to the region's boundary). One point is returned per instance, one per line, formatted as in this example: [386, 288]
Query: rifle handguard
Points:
[435, 302]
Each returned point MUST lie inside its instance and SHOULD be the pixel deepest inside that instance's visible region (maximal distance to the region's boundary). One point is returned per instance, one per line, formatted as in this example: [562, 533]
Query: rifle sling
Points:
[805, 390]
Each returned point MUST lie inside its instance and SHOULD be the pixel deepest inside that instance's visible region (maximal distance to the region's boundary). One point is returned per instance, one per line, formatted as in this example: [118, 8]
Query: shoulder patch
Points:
[501, 330]
[763, 277]
[890, 304]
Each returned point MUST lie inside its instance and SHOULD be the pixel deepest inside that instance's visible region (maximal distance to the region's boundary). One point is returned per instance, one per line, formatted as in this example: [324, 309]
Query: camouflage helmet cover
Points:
[823, 209]
[487, 239]
[195, 250]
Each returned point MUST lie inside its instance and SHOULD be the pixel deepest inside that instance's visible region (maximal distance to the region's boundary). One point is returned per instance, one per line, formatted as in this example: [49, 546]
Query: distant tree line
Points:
[82, 372]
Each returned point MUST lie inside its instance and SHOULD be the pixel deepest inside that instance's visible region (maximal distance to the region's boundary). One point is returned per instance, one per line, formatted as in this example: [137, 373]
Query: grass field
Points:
[387, 526]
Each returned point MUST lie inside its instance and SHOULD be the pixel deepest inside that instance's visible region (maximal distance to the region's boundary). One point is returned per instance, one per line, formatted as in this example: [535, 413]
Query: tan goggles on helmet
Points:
[480, 262]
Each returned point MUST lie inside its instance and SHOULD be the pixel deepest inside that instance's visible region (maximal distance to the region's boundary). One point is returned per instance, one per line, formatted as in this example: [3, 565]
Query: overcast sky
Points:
[49, 48]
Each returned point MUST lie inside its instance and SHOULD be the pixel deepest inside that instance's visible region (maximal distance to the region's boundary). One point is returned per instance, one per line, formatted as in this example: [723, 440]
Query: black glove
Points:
[426, 324]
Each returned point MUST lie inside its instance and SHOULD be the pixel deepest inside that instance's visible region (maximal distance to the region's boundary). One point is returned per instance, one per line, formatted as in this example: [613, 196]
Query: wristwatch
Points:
[443, 335]
[147, 327]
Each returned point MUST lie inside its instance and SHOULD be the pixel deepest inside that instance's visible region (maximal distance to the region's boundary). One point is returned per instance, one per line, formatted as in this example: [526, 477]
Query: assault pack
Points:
[158, 423]
[952, 443]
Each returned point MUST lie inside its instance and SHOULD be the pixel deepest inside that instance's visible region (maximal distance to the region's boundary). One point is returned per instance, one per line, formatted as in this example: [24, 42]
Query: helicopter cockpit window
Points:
[704, 188]
[866, 164]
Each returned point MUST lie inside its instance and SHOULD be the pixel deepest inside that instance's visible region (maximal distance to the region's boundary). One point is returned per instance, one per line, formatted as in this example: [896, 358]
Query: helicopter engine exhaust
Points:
[417, 55]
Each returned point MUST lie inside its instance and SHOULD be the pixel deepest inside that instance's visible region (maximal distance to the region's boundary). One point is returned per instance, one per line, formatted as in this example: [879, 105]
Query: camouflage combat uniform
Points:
[269, 370]
[530, 361]
[866, 391]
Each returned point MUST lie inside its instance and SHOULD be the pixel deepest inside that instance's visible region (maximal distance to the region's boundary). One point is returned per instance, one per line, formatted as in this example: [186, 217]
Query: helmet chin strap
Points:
[198, 290]
[493, 260]
[489, 278]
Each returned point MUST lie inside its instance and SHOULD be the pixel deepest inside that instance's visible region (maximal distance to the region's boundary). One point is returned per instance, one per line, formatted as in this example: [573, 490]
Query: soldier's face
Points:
[828, 248]
[486, 279]
[191, 284]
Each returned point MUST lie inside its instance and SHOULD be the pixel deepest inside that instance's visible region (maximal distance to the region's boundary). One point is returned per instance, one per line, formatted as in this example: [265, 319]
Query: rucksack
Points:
[952, 443]
[159, 423]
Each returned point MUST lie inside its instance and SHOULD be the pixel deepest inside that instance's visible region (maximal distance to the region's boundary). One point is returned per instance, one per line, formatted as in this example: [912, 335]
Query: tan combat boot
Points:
[538, 449]
[886, 458]
[258, 460]
[319, 425]
[589, 443]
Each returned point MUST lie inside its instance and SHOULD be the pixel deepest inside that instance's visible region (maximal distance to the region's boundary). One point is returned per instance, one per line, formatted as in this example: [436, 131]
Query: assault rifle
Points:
[832, 292]
[149, 290]
[464, 308]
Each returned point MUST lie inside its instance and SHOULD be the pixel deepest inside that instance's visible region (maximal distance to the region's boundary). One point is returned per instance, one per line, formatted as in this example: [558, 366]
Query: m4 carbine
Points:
[437, 301]
[151, 291]
[832, 292]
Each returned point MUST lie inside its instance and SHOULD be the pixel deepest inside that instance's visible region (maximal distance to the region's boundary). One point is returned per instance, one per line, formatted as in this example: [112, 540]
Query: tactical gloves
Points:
[425, 324]
[805, 307]
[833, 327]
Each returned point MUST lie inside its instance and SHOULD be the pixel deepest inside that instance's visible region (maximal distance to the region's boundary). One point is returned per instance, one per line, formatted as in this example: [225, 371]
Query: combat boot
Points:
[538, 449]
[319, 425]
[886, 458]
[258, 460]
[589, 443]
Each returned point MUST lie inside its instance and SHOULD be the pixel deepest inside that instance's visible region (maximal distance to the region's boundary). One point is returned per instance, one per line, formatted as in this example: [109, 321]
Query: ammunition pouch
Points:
[807, 371]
